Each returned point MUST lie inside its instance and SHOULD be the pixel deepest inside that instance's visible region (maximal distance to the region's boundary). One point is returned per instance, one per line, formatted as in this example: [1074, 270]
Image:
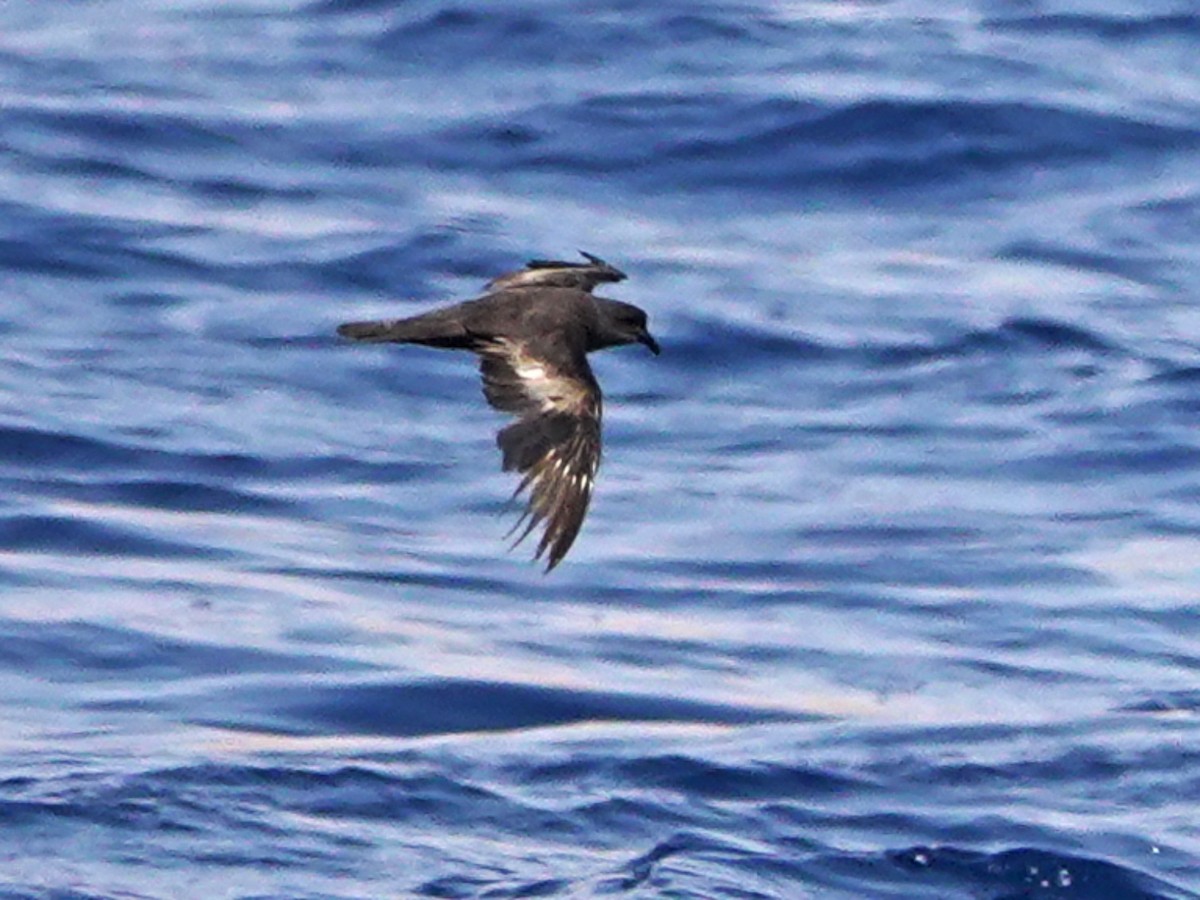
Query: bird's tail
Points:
[373, 331]
[434, 329]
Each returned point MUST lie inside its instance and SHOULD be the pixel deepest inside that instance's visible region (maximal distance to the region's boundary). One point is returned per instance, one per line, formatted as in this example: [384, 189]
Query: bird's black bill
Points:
[645, 338]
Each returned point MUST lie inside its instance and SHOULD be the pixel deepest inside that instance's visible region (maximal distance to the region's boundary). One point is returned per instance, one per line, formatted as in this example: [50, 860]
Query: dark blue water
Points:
[891, 584]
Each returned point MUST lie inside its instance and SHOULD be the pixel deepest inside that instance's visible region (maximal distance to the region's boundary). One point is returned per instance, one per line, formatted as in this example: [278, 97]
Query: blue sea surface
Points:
[890, 586]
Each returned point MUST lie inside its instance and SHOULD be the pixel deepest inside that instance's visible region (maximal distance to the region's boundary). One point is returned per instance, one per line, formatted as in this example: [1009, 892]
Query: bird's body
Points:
[533, 333]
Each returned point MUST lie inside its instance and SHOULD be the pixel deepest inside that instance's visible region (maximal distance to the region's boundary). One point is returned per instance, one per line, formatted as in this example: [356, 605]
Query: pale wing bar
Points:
[583, 276]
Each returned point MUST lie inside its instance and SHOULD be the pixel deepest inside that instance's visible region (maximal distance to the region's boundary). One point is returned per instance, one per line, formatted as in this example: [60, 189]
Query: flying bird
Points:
[532, 331]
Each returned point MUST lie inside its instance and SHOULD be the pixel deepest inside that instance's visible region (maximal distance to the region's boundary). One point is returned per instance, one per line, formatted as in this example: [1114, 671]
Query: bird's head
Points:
[624, 323]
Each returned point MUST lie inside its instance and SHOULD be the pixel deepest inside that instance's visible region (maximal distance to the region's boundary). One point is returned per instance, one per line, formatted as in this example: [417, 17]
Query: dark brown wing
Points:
[554, 444]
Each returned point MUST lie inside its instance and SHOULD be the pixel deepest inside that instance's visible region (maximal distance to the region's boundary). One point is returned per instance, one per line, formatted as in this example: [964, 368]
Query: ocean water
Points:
[891, 583]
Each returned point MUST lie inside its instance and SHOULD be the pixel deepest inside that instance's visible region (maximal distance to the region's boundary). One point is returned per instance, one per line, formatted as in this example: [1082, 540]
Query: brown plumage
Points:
[533, 332]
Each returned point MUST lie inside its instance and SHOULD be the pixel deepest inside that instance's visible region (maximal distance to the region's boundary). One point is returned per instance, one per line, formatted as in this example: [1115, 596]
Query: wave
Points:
[1110, 28]
[39, 452]
[715, 346]
[83, 652]
[1030, 871]
[888, 145]
[450, 706]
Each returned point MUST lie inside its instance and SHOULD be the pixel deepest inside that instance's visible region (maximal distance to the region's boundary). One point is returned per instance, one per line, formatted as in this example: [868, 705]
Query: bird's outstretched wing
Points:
[582, 276]
[554, 444]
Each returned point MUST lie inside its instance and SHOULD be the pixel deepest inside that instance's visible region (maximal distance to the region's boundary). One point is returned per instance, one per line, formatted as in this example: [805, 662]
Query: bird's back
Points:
[566, 314]
[535, 315]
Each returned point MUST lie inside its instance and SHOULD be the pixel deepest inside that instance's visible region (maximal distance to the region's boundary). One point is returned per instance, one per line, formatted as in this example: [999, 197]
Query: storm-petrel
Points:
[533, 331]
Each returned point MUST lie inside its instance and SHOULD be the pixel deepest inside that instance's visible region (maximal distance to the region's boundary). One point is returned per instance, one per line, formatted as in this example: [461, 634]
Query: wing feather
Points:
[584, 276]
[554, 444]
